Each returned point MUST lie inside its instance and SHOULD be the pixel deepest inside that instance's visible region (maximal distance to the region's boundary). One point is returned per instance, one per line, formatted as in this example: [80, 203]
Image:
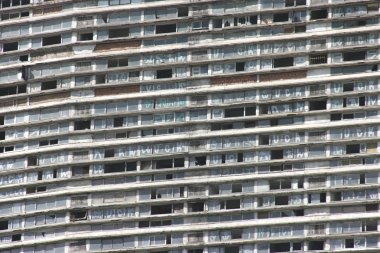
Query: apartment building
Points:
[189, 126]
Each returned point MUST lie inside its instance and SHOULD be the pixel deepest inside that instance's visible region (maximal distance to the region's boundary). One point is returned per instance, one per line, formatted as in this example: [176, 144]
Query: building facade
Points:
[189, 126]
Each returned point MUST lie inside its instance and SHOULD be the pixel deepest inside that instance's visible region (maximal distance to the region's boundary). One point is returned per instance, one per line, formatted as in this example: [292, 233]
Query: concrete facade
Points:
[189, 126]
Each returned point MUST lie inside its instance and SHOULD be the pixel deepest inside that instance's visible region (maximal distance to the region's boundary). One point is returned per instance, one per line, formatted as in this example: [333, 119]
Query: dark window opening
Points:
[217, 23]
[163, 209]
[24, 58]
[250, 111]
[109, 153]
[100, 79]
[283, 62]
[113, 63]
[10, 46]
[354, 56]
[114, 167]
[371, 207]
[49, 85]
[80, 171]
[9, 148]
[5, 3]
[240, 157]
[353, 149]
[236, 234]
[2, 135]
[349, 243]
[118, 122]
[44, 143]
[300, 28]
[168, 240]
[348, 87]
[86, 36]
[348, 116]
[281, 17]
[316, 245]
[195, 251]
[237, 188]
[134, 75]
[82, 125]
[281, 200]
[41, 189]
[51, 40]
[318, 59]
[118, 33]
[318, 14]
[32, 160]
[280, 184]
[300, 2]
[361, 101]
[253, 20]
[121, 135]
[131, 166]
[240, 66]
[179, 162]
[297, 246]
[276, 154]
[78, 215]
[234, 112]
[289, 3]
[336, 196]
[16, 237]
[299, 212]
[370, 225]
[4, 225]
[233, 204]
[232, 249]
[362, 178]
[21, 89]
[280, 247]
[262, 215]
[143, 224]
[200, 160]
[169, 176]
[171, 28]
[183, 11]
[164, 73]
[317, 105]
[163, 164]
[196, 207]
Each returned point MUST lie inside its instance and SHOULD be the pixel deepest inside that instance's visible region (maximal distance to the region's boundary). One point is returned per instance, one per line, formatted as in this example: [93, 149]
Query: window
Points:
[120, 62]
[318, 14]
[170, 28]
[82, 125]
[318, 59]
[118, 33]
[49, 85]
[48, 142]
[283, 62]
[200, 25]
[354, 56]
[53, 40]
[85, 36]
[6, 91]
[78, 171]
[118, 2]
[281, 17]
[164, 73]
[12, 46]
